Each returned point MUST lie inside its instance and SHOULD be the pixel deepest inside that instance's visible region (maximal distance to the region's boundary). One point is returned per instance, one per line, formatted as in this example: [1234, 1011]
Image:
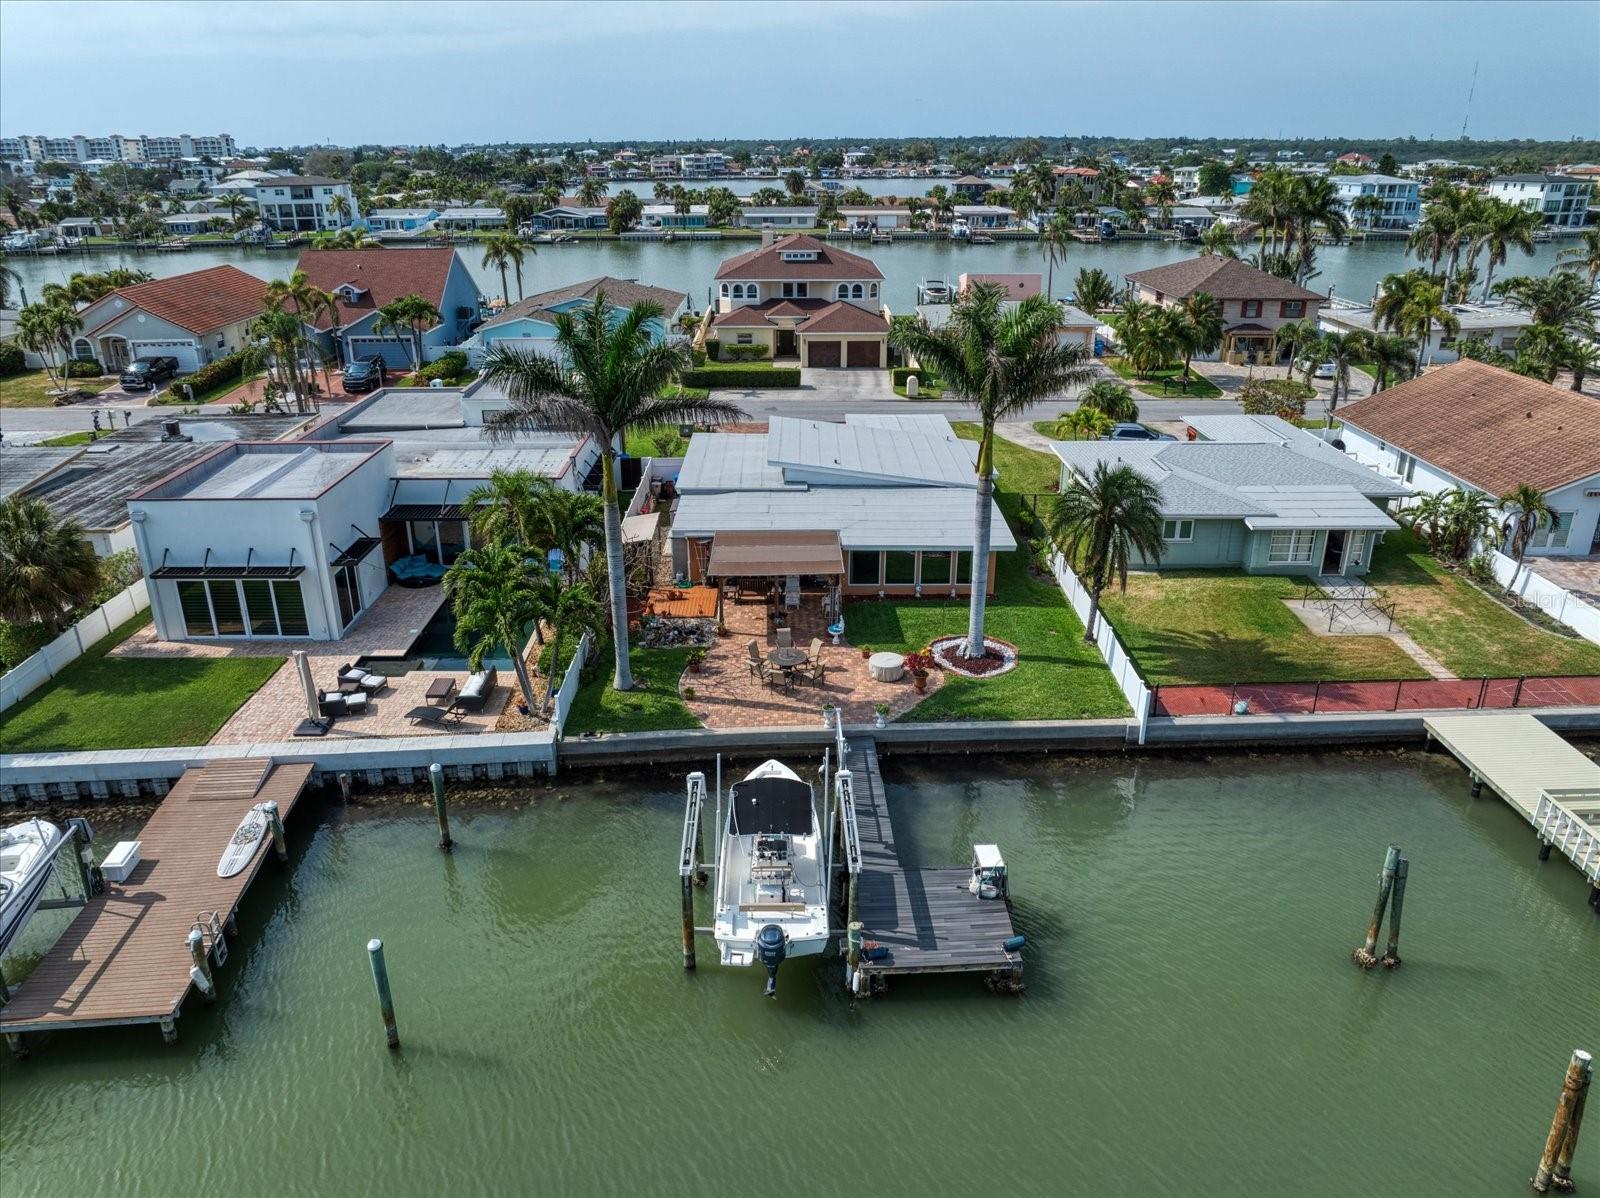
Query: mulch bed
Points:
[1000, 657]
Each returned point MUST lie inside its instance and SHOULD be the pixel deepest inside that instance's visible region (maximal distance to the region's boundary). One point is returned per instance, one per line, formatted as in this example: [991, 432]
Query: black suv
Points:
[145, 374]
[364, 374]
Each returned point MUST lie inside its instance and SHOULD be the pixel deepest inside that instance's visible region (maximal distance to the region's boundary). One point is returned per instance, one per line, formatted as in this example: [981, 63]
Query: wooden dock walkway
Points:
[1551, 784]
[927, 918]
[125, 959]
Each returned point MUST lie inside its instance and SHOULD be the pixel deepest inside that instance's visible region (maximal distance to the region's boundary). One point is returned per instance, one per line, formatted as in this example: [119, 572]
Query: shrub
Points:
[449, 365]
[11, 360]
[18, 642]
[1481, 569]
[118, 572]
[1272, 397]
[744, 353]
[78, 369]
[778, 376]
[697, 356]
[925, 377]
[713, 348]
[214, 374]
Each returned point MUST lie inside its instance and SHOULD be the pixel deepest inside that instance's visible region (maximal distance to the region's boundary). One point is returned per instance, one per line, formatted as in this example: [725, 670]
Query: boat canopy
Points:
[772, 805]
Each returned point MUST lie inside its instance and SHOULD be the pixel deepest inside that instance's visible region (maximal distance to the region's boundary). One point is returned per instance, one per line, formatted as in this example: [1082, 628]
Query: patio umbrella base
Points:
[317, 727]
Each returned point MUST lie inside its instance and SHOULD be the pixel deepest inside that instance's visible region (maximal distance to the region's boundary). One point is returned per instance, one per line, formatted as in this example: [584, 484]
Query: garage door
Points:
[187, 353]
[822, 353]
[395, 355]
[862, 353]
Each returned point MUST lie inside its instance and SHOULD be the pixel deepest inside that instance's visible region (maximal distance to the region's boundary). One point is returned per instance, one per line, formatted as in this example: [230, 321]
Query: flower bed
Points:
[999, 657]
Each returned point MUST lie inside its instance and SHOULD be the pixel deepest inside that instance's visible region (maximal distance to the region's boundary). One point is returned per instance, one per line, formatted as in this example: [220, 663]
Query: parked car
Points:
[364, 374]
[1323, 370]
[146, 374]
[1137, 432]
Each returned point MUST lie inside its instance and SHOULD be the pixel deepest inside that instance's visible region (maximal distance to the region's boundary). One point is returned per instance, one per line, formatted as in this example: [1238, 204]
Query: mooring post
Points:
[169, 1031]
[380, 979]
[1544, 850]
[15, 1043]
[344, 786]
[1477, 786]
[200, 965]
[441, 805]
[688, 920]
[1391, 955]
[1562, 1176]
[1579, 1069]
[1364, 955]
[275, 825]
[853, 946]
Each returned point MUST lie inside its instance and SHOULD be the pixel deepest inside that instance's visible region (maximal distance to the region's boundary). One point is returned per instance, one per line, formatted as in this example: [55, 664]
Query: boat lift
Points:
[78, 833]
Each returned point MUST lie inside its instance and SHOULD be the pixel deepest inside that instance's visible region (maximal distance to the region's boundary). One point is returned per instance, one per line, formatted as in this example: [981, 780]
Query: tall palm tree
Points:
[9, 279]
[1411, 304]
[1525, 509]
[1055, 235]
[1163, 195]
[1000, 361]
[1093, 290]
[1583, 258]
[1220, 238]
[493, 591]
[506, 508]
[48, 329]
[393, 318]
[795, 184]
[1392, 358]
[591, 192]
[1366, 208]
[1200, 331]
[1500, 228]
[1344, 350]
[339, 206]
[607, 377]
[500, 250]
[1101, 523]
[418, 314]
[48, 568]
[1316, 204]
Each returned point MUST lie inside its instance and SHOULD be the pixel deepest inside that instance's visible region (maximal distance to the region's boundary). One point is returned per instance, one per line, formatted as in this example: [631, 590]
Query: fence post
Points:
[1398, 685]
[1517, 694]
[1316, 694]
[1483, 689]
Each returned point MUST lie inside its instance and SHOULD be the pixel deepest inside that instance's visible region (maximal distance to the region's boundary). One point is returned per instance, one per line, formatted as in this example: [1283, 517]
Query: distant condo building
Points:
[116, 148]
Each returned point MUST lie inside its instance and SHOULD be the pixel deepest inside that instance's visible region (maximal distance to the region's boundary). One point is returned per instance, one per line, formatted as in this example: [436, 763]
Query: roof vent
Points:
[171, 431]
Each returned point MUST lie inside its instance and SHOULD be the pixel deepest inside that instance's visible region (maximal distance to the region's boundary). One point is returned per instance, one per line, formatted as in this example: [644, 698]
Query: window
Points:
[1292, 309]
[1177, 530]
[855, 292]
[225, 606]
[348, 591]
[874, 291]
[844, 290]
[196, 610]
[425, 540]
[724, 291]
[1356, 550]
[899, 568]
[1553, 531]
[935, 569]
[1291, 545]
[964, 568]
[258, 607]
[291, 605]
[794, 291]
[1250, 308]
[1404, 465]
[864, 568]
[452, 539]
[746, 338]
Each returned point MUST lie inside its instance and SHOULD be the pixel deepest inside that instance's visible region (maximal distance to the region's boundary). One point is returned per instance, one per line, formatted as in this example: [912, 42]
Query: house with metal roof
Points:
[887, 500]
[1266, 503]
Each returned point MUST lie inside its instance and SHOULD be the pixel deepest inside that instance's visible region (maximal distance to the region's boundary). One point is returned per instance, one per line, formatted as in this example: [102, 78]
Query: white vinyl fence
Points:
[1105, 639]
[569, 684]
[28, 676]
[1551, 598]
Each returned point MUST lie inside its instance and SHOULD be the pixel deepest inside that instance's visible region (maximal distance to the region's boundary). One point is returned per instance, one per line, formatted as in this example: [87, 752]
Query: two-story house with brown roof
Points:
[363, 281]
[1254, 304]
[799, 297]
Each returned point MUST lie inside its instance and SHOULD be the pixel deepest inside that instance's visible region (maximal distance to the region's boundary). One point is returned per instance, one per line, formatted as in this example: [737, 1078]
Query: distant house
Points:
[1561, 201]
[876, 217]
[1501, 325]
[1401, 203]
[529, 323]
[1273, 500]
[196, 318]
[1076, 328]
[800, 297]
[754, 216]
[1480, 428]
[303, 203]
[1354, 159]
[986, 216]
[667, 216]
[1255, 304]
[973, 187]
[187, 224]
[365, 280]
[401, 220]
[569, 216]
[471, 218]
[1016, 287]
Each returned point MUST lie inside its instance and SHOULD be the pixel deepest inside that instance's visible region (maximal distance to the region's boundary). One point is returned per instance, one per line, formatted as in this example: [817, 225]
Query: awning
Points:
[769, 554]
[1253, 330]
[425, 511]
[355, 551]
[640, 529]
[229, 572]
[1314, 507]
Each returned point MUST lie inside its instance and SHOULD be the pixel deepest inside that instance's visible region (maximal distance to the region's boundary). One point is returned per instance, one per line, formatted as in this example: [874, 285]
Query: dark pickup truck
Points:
[145, 374]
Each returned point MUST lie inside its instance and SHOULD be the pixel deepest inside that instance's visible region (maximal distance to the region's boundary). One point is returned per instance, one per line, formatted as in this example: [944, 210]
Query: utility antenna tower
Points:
[1466, 116]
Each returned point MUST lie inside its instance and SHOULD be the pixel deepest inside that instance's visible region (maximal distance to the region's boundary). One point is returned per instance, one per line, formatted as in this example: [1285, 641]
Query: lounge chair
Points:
[354, 675]
[434, 717]
[476, 691]
[332, 703]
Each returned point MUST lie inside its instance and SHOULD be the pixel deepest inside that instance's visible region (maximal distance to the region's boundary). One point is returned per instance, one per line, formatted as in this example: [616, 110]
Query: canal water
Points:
[1353, 270]
[1192, 1023]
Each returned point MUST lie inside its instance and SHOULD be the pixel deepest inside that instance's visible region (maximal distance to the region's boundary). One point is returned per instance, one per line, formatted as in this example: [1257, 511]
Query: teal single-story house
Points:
[530, 323]
[1266, 505]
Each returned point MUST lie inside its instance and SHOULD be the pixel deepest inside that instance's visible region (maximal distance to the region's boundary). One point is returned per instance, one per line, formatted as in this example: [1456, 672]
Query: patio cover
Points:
[743, 554]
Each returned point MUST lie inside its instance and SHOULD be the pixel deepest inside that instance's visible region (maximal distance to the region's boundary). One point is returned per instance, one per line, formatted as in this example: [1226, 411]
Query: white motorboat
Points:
[772, 892]
[27, 860]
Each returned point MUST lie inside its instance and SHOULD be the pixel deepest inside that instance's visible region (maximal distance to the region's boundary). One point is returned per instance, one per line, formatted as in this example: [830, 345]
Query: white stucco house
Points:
[304, 203]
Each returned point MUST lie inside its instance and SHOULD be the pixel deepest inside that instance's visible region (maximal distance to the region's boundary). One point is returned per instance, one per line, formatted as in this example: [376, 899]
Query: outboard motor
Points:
[94, 880]
[772, 946]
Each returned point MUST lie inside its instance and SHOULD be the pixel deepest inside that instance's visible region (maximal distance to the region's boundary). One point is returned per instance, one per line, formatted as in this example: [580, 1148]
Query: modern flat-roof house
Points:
[195, 317]
[667, 216]
[878, 505]
[569, 216]
[1561, 200]
[1269, 500]
[986, 216]
[1478, 427]
[756, 216]
[471, 218]
[304, 203]
[1401, 205]
[801, 297]
[530, 323]
[365, 280]
[876, 217]
[402, 221]
[1255, 304]
[1501, 325]
[1016, 287]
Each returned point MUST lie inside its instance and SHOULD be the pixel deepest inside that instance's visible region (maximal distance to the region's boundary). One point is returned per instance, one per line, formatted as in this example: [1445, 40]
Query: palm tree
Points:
[48, 568]
[1411, 304]
[500, 252]
[607, 377]
[392, 318]
[1500, 228]
[1101, 523]
[48, 329]
[1297, 337]
[1316, 203]
[591, 191]
[339, 206]
[1583, 258]
[1111, 399]
[795, 184]
[1582, 358]
[493, 592]
[1219, 238]
[413, 312]
[1001, 362]
[9, 278]
[1163, 195]
[1093, 291]
[1426, 518]
[1526, 509]
[506, 508]
[1200, 330]
[1563, 301]
[1084, 424]
[1055, 235]
[1344, 350]
[571, 609]
[1392, 357]
[1366, 208]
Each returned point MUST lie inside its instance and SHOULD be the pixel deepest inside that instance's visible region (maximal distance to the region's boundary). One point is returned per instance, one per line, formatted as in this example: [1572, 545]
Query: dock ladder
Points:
[210, 926]
[1566, 818]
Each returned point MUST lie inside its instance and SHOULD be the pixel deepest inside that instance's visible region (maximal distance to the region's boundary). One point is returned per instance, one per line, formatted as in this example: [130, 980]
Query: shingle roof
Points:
[384, 275]
[841, 317]
[1221, 278]
[199, 301]
[766, 262]
[1489, 427]
[620, 293]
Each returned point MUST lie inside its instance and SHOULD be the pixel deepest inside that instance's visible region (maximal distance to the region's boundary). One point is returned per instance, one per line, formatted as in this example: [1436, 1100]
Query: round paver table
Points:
[787, 659]
[887, 667]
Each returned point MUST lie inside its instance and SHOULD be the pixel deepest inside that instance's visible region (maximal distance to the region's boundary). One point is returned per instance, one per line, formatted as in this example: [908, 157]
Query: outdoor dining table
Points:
[786, 660]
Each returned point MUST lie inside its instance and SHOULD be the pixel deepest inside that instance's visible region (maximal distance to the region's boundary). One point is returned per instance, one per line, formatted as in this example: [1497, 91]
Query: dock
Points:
[928, 919]
[1542, 777]
[125, 958]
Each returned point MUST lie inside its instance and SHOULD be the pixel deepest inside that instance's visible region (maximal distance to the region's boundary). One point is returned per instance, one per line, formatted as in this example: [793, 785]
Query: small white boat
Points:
[934, 291]
[772, 892]
[27, 861]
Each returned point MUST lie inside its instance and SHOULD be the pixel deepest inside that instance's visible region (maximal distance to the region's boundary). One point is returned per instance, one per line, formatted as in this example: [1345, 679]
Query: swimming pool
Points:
[435, 649]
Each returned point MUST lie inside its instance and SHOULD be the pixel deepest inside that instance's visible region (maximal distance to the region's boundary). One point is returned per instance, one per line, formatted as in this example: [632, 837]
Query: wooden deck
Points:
[124, 958]
[680, 603]
[927, 918]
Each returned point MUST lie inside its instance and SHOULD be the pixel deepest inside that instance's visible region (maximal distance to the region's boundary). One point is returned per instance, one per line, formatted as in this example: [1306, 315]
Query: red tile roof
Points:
[841, 317]
[1487, 426]
[767, 262]
[199, 301]
[384, 275]
[824, 317]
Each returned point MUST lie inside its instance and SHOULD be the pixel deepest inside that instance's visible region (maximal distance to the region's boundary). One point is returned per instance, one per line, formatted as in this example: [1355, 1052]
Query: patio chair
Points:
[786, 638]
[812, 668]
[354, 675]
[758, 664]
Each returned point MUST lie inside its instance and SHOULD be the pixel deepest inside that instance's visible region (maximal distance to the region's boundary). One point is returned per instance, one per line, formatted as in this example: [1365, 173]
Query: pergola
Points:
[776, 554]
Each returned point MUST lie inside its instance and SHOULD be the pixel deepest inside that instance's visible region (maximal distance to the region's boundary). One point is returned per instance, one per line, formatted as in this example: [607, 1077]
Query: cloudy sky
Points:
[281, 73]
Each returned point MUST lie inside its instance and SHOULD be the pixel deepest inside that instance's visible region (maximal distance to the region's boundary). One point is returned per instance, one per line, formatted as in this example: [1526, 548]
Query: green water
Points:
[1192, 1024]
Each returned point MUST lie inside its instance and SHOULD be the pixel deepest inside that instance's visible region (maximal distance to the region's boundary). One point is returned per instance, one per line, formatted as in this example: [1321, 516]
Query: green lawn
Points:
[1469, 632]
[1060, 677]
[924, 391]
[1165, 384]
[67, 439]
[653, 704]
[749, 364]
[175, 394]
[31, 389]
[101, 702]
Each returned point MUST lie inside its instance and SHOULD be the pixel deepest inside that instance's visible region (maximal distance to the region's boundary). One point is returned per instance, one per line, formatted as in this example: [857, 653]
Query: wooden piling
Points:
[169, 1031]
[200, 965]
[17, 1045]
[345, 785]
[688, 921]
[380, 979]
[1544, 850]
[1579, 1069]
[853, 941]
[280, 847]
[1391, 954]
[441, 805]
[1561, 1178]
[1365, 956]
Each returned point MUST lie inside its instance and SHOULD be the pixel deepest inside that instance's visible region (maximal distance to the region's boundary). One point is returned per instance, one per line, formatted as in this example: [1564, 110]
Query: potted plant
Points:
[827, 715]
[882, 710]
[696, 660]
[866, 652]
[919, 664]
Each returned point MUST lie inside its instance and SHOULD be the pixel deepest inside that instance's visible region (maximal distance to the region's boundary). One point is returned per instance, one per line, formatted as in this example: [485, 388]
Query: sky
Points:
[411, 73]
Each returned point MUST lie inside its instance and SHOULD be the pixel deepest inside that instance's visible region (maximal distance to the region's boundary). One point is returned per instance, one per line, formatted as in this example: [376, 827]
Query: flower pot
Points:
[694, 667]
[880, 722]
[920, 677]
[865, 653]
[827, 719]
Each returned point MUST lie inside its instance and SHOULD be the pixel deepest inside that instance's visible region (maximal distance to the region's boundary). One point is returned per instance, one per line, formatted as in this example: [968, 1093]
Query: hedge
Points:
[713, 348]
[12, 360]
[900, 374]
[214, 374]
[744, 353]
[777, 376]
[449, 365]
[80, 369]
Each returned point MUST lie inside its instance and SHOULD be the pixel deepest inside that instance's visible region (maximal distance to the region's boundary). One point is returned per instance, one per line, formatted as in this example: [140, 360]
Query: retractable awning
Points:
[762, 554]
